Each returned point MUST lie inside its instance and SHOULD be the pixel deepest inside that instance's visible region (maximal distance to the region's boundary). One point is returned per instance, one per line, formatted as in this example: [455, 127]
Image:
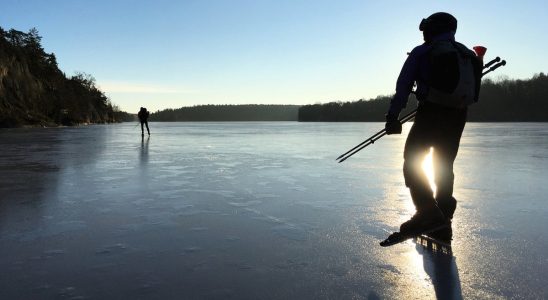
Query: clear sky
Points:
[168, 54]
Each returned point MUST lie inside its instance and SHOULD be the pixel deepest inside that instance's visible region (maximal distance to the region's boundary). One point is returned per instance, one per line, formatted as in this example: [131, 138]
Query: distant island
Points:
[505, 100]
[244, 112]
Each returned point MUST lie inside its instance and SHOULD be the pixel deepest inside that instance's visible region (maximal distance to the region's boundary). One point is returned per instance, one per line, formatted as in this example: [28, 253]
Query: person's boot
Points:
[424, 219]
[447, 206]
[445, 234]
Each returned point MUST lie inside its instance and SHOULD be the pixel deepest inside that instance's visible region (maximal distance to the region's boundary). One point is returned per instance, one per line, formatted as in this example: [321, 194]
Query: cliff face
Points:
[33, 91]
[20, 93]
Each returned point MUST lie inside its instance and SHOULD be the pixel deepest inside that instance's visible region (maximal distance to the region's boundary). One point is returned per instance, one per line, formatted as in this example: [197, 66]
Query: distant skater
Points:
[447, 77]
[143, 117]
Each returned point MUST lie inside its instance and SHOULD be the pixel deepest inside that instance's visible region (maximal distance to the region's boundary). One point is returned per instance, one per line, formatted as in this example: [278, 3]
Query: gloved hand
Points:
[393, 126]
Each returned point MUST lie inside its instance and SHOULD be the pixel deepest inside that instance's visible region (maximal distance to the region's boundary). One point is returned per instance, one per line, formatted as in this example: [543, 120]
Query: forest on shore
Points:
[243, 112]
[505, 100]
[35, 92]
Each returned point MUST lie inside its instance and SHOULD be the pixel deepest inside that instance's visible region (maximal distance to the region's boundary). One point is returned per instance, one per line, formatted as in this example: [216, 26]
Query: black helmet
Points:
[437, 23]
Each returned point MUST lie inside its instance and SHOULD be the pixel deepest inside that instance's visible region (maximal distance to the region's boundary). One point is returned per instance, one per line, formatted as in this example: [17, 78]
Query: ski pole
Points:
[493, 68]
[408, 117]
[496, 60]
[369, 139]
[374, 138]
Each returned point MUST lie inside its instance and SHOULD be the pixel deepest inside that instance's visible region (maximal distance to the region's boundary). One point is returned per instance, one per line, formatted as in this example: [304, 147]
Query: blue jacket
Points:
[415, 69]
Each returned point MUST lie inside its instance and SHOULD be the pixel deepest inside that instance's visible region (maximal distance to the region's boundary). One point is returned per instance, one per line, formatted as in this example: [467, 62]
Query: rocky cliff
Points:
[33, 91]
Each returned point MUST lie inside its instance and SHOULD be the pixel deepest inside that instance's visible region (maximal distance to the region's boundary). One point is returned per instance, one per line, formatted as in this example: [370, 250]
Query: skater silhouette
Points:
[143, 118]
[447, 77]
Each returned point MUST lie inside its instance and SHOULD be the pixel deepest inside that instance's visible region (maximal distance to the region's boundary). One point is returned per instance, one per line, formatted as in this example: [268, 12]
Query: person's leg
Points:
[142, 129]
[417, 147]
[148, 130]
[415, 178]
[445, 153]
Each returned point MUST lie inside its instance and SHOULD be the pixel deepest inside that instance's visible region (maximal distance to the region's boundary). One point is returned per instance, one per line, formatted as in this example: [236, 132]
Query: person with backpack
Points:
[447, 77]
[143, 118]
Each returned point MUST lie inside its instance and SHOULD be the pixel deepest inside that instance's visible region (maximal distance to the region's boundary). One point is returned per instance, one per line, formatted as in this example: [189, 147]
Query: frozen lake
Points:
[262, 211]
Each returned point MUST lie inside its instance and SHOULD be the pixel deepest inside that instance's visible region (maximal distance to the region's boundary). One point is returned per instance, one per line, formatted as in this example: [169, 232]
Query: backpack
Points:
[143, 115]
[455, 75]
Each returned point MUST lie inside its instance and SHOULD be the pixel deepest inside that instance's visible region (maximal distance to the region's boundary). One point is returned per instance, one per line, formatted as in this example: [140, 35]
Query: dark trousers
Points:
[142, 129]
[441, 128]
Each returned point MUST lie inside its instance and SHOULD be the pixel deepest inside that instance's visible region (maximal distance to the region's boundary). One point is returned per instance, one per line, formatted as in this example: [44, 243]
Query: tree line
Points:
[504, 100]
[34, 91]
[246, 112]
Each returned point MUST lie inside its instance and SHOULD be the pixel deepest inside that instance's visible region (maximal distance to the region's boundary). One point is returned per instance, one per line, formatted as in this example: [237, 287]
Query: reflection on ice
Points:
[261, 210]
[443, 272]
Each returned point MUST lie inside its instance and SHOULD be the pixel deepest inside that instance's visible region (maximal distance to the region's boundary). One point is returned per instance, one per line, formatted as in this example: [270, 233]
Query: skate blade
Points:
[434, 245]
[397, 237]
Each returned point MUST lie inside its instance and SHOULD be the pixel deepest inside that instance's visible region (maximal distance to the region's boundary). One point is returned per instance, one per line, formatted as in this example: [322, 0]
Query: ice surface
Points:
[261, 210]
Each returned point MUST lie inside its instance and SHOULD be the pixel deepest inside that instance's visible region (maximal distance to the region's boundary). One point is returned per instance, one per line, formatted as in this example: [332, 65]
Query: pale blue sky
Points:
[169, 54]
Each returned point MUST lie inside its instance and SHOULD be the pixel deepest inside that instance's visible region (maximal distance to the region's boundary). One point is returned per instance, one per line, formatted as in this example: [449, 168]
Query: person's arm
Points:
[404, 85]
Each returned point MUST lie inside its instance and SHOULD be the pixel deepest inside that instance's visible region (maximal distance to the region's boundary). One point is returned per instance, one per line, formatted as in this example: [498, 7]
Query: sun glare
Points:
[428, 168]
